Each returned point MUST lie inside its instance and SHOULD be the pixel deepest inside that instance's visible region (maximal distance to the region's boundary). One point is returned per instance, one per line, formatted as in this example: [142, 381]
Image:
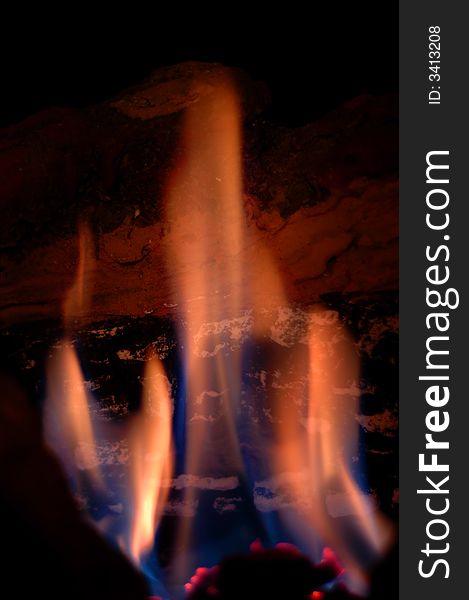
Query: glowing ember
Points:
[281, 572]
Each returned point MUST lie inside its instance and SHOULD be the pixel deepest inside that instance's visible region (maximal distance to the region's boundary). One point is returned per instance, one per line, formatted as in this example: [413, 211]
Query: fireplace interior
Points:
[199, 324]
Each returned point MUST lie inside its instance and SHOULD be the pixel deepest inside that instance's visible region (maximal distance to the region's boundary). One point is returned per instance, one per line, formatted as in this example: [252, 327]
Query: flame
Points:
[68, 421]
[71, 424]
[323, 450]
[76, 303]
[221, 264]
[150, 451]
[204, 210]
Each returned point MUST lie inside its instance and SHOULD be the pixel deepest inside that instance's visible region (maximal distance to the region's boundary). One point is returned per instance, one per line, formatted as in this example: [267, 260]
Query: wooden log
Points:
[322, 197]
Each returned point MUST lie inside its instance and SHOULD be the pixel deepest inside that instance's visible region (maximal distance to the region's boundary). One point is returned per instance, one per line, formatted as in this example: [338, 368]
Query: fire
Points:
[217, 277]
[76, 303]
[73, 429]
[204, 210]
[323, 451]
[68, 424]
[150, 451]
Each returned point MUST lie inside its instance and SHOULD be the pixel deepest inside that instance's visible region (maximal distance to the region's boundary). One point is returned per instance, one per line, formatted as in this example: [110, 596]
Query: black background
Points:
[312, 59]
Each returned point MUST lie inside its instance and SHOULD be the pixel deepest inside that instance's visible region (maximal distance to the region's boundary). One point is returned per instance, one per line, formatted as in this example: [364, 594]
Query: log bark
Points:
[323, 197]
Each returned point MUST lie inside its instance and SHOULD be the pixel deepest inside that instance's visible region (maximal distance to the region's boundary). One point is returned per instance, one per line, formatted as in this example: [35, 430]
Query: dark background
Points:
[312, 60]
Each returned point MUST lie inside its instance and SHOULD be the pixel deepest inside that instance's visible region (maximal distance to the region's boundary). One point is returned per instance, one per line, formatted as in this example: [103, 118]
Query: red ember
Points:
[283, 571]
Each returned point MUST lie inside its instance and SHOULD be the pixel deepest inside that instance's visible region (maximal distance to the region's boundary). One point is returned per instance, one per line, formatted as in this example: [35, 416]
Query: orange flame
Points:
[323, 450]
[221, 264]
[76, 303]
[204, 209]
[150, 452]
[68, 423]
[71, 425]
[206, 237]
